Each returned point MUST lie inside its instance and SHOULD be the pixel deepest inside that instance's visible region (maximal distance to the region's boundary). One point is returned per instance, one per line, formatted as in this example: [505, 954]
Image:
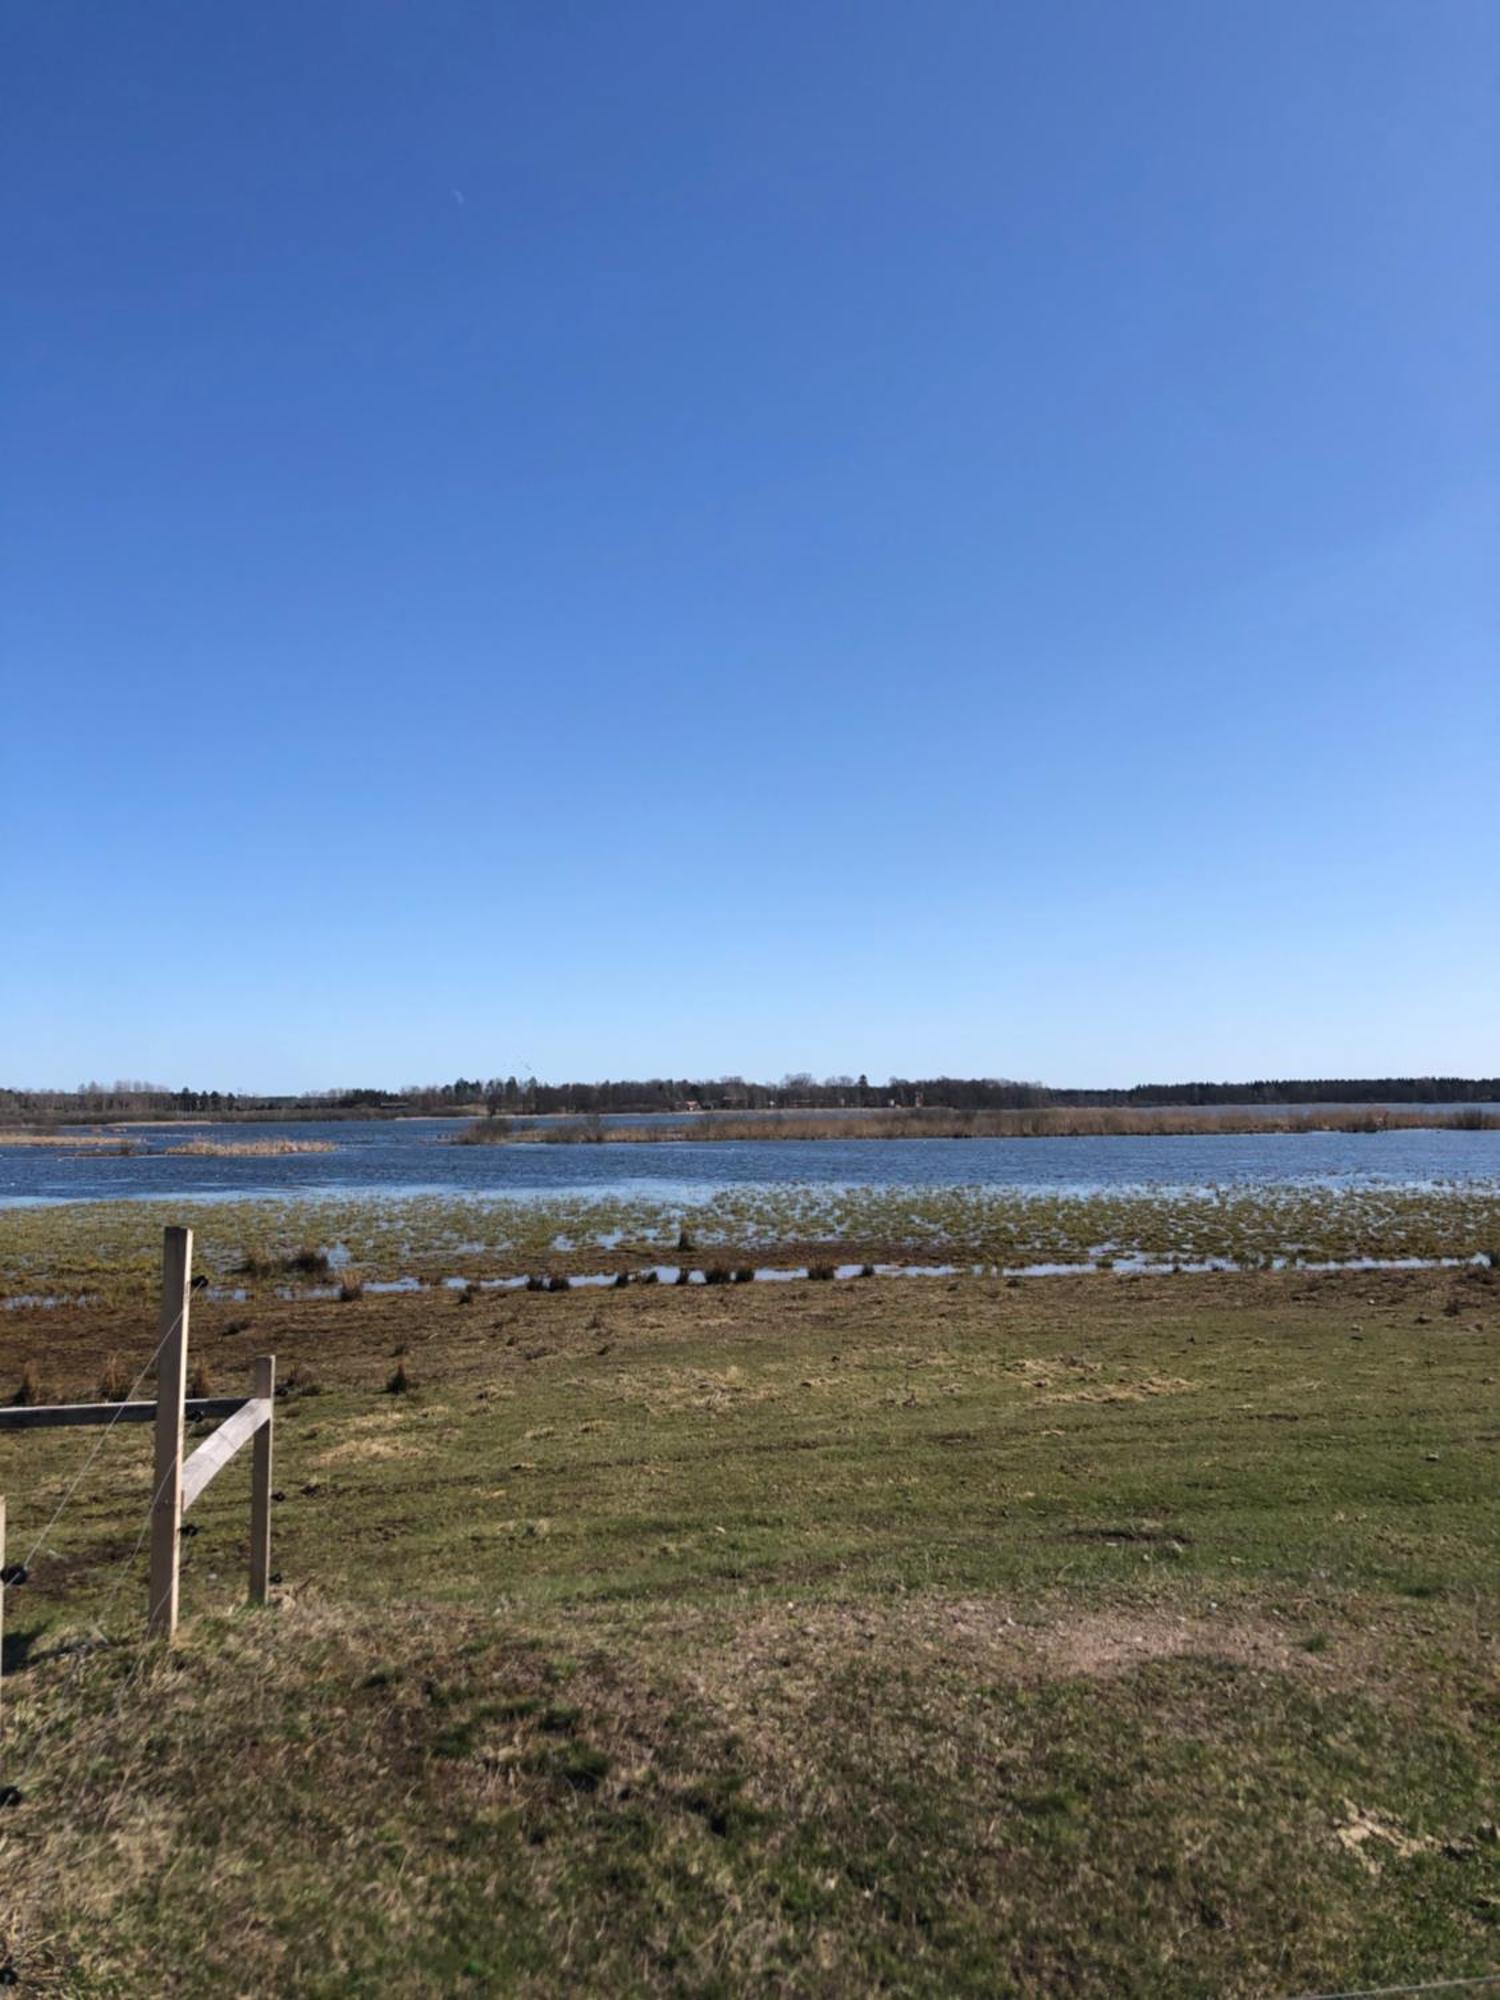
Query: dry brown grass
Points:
[60, 1136]
[249, 1149]
[1081, 1122]
[115, 1381]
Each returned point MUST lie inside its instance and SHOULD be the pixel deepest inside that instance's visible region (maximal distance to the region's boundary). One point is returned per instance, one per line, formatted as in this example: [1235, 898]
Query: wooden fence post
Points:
[260, 1484]
[2, 1607]
[171, 1393]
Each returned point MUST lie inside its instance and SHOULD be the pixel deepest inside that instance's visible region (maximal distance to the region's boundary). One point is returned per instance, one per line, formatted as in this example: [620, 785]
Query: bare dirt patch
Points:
[783, 1655]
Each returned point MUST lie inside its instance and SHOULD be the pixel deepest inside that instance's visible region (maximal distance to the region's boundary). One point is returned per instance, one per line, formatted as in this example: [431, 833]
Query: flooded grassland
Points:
[108, 1251]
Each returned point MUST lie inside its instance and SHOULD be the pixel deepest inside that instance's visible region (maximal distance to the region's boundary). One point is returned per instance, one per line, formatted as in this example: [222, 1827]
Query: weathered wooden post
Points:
[260, 1483]
[171, 1393]
[179, 1481]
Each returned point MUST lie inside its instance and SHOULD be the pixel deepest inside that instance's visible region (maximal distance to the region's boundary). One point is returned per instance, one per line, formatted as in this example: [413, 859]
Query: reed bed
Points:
[249, 1149]
[1063, 1123]
[109, 1141]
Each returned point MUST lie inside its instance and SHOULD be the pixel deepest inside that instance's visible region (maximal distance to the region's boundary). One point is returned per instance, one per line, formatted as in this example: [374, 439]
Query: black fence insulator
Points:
[9, 1976]
[275, 1576]
[14, 1575]
[10, 1795]
[188, 1528]
[278, 1496]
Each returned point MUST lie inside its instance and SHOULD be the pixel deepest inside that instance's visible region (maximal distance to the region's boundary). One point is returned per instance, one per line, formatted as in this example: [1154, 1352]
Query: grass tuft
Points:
[31, 1389]
[114, 1381]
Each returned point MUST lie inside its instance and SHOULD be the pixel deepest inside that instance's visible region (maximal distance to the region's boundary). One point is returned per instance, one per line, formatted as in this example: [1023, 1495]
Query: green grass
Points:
[1095, 1636]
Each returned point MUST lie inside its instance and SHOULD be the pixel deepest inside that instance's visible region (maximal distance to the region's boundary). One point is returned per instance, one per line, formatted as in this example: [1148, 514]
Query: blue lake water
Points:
[411, 1156]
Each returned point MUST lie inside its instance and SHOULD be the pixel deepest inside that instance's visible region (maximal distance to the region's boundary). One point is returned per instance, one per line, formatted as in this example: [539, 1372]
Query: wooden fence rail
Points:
[54, 1416]
[178, 1481]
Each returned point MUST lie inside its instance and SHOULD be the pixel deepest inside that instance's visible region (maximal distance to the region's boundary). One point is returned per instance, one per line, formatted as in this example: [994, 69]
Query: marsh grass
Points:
[304, 1260]
[1063, 1122]
[114, 1381]
[299, 1380]
[110, 1252]
[32, 1388]
[59, 1137]
[248, 1149]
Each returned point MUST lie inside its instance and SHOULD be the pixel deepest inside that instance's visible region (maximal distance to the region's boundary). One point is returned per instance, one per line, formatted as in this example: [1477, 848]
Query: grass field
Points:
[1098, 1635]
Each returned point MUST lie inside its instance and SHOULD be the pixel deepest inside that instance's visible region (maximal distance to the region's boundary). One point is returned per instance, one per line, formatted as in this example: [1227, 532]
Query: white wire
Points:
[1402, 1992]
[82, 1472]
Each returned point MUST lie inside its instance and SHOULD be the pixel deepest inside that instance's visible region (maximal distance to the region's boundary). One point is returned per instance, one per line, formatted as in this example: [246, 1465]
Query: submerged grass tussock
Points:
[304, 1261]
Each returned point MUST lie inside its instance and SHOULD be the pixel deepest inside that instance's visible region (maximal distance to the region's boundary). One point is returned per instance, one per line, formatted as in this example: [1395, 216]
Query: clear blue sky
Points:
[717, 537]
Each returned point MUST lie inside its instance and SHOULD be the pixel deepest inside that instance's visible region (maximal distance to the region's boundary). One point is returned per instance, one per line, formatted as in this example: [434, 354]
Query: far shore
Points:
[716, 1127]
[734, 1127]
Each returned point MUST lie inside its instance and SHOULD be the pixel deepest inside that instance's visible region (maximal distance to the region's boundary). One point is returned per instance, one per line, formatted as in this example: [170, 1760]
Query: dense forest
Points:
[798, 1092]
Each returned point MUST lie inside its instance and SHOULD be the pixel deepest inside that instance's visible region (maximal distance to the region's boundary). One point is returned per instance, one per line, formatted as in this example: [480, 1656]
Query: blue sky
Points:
[722, 537]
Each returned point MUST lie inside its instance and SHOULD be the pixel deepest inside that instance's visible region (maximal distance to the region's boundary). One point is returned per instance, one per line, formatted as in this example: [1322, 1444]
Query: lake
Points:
[414, 1156]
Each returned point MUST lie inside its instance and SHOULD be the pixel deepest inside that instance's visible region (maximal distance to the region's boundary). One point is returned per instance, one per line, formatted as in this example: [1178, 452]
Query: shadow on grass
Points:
[19, 1650]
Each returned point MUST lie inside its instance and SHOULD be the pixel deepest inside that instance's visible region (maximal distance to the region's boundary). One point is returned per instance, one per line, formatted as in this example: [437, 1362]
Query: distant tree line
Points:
[798, 1091]
[1299, 1090]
